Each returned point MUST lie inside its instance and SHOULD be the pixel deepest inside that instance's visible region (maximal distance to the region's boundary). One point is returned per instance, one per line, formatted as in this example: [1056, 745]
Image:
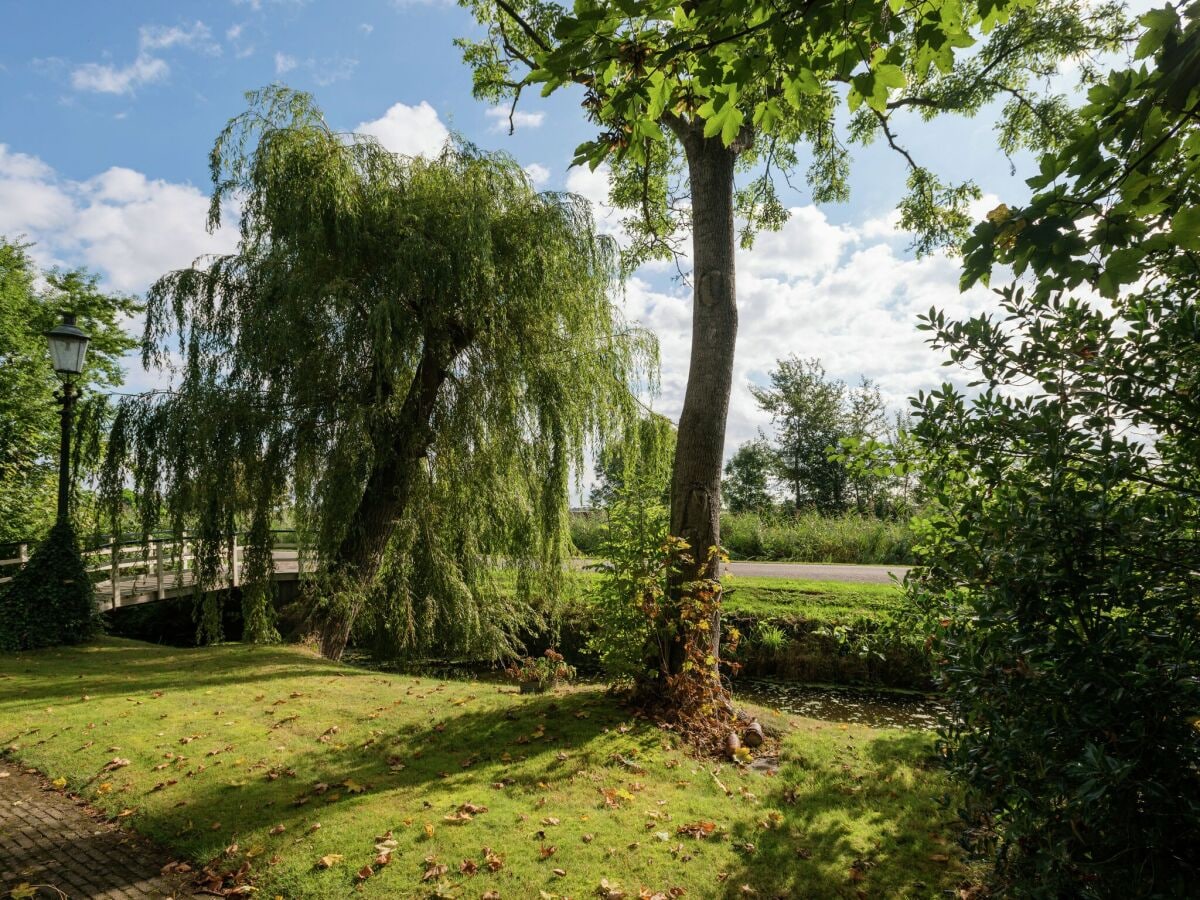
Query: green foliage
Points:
[746, 486]
[813, 416]
[633, 580]
[50, 601]
[768, 78]
[413, 354]
[643, 458]
[1060, 586]
[32, 302]
[812, 537]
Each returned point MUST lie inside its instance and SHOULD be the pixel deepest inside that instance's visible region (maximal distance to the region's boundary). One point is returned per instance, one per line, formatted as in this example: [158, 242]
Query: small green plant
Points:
[770, 637]
[543, 673]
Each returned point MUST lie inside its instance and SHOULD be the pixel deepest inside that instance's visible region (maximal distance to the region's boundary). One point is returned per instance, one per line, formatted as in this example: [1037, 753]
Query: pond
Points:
[838, 703]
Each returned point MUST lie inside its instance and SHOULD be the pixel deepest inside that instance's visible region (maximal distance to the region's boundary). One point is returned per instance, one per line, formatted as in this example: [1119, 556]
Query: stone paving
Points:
[64, 848]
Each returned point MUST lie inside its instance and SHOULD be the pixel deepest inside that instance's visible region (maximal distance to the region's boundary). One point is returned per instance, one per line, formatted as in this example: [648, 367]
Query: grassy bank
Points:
[238, 754]
[805, 538]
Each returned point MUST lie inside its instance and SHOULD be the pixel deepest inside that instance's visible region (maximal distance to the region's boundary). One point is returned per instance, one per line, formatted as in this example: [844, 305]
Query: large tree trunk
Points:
[403, 443]
[700, 446]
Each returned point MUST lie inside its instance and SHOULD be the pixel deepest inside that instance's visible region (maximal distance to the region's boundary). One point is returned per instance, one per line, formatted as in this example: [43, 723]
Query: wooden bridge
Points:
[127, 573]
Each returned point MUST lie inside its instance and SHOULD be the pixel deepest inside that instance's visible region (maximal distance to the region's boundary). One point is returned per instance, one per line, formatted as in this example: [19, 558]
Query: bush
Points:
[51, 600]
[811, 537]
[1060, 587]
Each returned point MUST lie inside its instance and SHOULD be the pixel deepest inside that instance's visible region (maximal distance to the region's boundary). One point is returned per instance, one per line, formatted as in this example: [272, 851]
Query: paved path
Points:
[65, 849]
[818, 571]
[848, 574]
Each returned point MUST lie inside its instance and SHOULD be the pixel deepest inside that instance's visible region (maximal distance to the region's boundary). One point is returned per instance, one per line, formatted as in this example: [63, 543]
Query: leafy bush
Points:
[632, 576]
[811, 537]
[50, 601]
[1060, 587]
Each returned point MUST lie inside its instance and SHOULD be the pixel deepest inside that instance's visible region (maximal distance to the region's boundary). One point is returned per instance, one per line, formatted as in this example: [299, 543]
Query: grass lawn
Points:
[243, 751]
[790, 598]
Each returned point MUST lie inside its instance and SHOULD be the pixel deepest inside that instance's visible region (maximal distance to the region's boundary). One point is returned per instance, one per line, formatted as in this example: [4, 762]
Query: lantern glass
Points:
[68, 347]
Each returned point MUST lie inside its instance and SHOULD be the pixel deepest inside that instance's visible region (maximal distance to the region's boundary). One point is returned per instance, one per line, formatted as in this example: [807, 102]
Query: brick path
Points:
[49, 839]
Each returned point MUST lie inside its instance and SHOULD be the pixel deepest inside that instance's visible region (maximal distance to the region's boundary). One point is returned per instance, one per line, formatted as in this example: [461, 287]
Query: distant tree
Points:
[417, 352]
[813, 415]
[1060, 560]
[31, 302]
[747, 483]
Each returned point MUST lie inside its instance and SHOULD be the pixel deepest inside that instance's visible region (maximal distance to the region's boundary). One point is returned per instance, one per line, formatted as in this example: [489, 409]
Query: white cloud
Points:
[519, 118]
[366, 27]
[128, 228]
[233, 32]
[408, 130]
[322, 71]
[593, 185]
[327, 71]
[847, 294]
[147, 67]
[537, 173]
[105, 79]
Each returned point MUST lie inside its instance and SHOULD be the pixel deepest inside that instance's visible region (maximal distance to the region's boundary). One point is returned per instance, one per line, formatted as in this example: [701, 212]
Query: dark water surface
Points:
[836, 703]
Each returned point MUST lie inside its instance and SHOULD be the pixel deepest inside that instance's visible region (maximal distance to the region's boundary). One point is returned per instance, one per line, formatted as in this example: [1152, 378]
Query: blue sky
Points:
[108, 110]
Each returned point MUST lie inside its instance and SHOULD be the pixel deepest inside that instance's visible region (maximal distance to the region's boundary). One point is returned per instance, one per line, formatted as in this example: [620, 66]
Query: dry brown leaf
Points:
[329, 860]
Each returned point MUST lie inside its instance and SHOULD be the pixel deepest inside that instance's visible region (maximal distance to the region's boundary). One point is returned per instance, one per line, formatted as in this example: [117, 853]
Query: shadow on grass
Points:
[116, 666]
[874, 828]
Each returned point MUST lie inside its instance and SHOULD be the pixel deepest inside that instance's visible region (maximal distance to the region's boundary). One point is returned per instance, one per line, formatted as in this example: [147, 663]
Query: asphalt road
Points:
[818, 571]
[849, 574]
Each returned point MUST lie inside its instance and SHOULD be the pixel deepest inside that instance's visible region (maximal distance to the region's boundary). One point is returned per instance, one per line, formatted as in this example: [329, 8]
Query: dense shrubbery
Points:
[809, 537]
[50, 601]
[1060, 588]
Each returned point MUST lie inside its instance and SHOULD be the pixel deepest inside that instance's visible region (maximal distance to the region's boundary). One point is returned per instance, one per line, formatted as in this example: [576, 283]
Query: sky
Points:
[108, 112]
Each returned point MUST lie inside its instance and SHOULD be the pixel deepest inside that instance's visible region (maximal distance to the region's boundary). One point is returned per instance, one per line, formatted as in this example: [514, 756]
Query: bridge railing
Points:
[142, 566]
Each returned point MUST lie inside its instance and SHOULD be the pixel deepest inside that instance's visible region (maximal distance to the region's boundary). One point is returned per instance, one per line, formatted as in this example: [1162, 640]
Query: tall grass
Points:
[809, 537]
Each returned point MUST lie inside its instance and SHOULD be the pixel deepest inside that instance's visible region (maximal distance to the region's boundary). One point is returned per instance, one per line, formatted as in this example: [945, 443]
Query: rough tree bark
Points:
[700, 443]
[401, 444]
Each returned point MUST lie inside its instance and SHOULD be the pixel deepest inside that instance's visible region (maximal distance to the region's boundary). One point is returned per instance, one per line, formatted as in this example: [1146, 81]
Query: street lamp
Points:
[68, 347]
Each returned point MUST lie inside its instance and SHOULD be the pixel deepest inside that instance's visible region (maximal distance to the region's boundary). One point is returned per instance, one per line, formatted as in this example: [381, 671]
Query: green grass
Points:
[788, 598]
[809, 537]
[246, 732]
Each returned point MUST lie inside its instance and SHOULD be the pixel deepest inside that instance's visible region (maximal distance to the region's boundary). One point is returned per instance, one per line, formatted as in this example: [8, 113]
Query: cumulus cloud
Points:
[408, 130]
[502, 120]
[148, 66]
[128, 228]
[847, 294]
[537, 173]
[284, 63]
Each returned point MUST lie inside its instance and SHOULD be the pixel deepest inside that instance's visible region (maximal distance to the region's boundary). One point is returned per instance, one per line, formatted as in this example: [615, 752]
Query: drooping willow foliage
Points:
[411, 355]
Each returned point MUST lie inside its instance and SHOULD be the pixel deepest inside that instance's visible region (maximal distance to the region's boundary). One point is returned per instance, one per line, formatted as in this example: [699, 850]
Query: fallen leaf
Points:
[329, 860]
[278, 829]
[433, 870]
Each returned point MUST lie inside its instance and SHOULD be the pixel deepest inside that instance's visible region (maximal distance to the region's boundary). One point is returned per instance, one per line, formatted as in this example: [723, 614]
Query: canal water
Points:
[837, 703]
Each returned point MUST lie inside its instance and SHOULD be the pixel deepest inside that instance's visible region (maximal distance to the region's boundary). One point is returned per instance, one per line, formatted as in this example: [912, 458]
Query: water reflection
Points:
[859, 706]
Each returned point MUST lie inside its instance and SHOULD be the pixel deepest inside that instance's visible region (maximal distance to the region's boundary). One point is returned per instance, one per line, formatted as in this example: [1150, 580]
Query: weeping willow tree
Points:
[413, 355]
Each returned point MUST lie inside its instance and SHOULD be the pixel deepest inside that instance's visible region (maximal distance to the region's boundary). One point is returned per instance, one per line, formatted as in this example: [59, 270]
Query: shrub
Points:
[51, 600]
[1060, 586]
[811, 537]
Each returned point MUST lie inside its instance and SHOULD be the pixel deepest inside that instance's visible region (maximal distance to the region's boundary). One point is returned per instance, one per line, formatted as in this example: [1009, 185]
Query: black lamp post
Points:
[68, 347]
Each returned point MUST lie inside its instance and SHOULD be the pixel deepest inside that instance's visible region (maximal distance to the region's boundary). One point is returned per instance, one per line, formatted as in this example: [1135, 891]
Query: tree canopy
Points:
[412, 354]
[31, 303]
